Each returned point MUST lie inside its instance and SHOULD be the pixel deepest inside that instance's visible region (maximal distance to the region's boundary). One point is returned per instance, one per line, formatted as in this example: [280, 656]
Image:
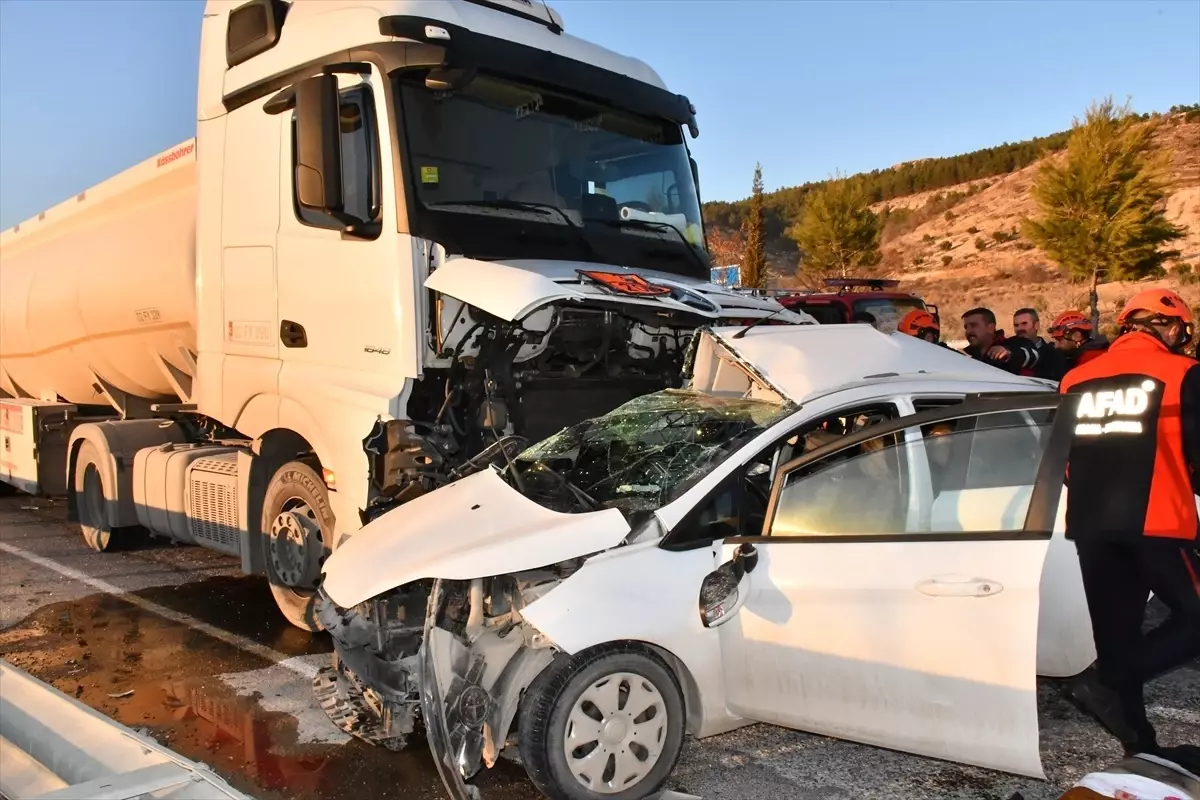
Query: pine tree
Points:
[837, 233]
[754, 263]
[1102, 208]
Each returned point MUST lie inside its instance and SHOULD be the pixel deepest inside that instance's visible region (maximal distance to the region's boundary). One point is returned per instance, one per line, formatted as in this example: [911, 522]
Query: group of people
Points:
[1076, 341]
[1133, 488]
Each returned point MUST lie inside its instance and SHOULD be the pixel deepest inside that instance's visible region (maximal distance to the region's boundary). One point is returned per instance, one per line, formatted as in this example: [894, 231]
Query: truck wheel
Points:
[603, 724]
[297, 527]
[90, 502]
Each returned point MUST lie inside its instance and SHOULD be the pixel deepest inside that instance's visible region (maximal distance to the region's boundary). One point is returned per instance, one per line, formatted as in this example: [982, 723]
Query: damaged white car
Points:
[828, 528]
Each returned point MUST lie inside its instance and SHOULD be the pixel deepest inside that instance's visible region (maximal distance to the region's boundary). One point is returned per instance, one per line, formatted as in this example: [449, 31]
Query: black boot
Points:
[1088, 694]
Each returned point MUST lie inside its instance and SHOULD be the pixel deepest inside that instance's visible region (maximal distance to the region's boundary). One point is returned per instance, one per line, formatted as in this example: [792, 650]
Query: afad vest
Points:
[1129, 476]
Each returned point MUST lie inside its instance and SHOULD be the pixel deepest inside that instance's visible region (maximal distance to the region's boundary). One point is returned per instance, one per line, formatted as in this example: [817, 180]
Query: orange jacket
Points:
[1136, 449]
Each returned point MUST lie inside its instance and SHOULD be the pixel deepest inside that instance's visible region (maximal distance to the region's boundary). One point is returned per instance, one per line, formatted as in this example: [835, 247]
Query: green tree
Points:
[1102, 208]
[837, 232]
[754, 263]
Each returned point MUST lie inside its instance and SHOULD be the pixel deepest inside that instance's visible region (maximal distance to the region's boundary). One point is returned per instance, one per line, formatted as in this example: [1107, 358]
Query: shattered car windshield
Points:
[644, 454]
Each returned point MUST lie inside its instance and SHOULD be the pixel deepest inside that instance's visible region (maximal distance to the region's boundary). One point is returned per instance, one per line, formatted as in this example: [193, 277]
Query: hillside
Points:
[921, 229]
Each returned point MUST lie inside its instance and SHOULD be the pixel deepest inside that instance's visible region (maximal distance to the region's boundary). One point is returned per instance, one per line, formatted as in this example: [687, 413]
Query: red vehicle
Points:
[854, 295]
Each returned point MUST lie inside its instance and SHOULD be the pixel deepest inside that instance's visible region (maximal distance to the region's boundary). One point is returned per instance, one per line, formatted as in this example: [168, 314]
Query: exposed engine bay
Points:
[497, 386]
[480, 652]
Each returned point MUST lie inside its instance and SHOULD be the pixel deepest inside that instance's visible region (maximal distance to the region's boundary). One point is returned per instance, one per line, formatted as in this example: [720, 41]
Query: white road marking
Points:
[282, 687]
[302, 668]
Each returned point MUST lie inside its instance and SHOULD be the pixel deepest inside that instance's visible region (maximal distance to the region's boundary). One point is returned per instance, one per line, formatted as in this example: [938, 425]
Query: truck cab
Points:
[425, 234]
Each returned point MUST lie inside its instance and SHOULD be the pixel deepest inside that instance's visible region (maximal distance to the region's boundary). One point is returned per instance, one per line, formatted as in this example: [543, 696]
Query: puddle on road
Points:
[252, 721]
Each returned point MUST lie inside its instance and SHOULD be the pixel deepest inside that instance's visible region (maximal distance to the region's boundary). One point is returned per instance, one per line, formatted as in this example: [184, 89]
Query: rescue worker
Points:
[1027, 325]
[1076, 340]
[991, 346]
[1132, 513]
[921, 324]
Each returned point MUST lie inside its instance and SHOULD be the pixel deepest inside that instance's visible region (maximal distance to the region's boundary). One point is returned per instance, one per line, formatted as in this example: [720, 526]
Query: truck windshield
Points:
[502, 169]
[643, 454]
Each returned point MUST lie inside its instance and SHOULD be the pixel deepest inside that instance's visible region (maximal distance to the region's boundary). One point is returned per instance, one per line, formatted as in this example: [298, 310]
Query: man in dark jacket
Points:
[1027, 325]
[991, 346]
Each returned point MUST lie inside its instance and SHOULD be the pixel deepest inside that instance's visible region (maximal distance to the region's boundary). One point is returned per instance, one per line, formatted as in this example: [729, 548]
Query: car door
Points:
[894, 598]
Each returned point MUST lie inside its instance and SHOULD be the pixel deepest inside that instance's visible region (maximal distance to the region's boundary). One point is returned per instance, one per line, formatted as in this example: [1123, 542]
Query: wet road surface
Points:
[175, 642]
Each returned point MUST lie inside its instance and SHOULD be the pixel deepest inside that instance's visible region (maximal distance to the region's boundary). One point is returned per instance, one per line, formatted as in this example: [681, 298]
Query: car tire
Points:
[593, 698]
[297, 528]
[91, 503]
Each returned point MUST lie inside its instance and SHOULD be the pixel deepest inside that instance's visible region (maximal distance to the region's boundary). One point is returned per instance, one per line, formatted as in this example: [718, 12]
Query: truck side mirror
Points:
[318, 146]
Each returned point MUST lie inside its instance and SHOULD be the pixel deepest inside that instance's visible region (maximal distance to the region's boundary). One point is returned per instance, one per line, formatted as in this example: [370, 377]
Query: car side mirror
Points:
[319, 146]
[724, 590]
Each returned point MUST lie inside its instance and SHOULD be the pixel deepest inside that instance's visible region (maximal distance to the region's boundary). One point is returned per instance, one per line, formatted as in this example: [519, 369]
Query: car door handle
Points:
[957, 587]
[292, 334]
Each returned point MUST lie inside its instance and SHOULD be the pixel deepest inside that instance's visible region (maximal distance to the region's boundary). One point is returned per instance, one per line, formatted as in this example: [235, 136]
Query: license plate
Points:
[622, 283]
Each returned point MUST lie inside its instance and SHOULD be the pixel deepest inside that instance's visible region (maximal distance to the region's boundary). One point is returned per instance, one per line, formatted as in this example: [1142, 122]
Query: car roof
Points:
[801, 362]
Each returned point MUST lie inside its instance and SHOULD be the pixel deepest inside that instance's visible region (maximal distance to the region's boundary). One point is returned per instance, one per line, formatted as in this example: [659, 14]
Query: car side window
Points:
[859, 489]
[360, 161]
[969, 475]
[738, 506]
[717, 516]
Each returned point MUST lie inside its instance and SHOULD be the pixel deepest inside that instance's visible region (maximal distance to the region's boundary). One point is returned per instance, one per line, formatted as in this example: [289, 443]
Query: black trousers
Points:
[1117, 579]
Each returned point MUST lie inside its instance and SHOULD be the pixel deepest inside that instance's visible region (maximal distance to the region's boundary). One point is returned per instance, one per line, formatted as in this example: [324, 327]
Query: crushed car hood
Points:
[473, 528]
[511, 290]
[800, 362]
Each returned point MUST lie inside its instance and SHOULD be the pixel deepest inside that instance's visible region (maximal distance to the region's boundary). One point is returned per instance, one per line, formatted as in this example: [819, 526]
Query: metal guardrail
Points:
[52, 747]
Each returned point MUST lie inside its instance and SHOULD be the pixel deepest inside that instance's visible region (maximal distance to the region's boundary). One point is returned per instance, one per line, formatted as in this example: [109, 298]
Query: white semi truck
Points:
[409, 237]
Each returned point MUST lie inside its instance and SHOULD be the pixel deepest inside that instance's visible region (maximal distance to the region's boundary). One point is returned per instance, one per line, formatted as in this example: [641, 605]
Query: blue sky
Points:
[88, 88]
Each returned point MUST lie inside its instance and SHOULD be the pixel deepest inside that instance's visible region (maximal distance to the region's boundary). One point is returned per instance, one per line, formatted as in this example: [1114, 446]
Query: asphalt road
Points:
[174, 641]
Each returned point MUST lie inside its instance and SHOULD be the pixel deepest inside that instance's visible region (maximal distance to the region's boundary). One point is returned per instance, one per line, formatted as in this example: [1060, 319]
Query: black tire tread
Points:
[100, 539]
[543, 695]
[300, 611]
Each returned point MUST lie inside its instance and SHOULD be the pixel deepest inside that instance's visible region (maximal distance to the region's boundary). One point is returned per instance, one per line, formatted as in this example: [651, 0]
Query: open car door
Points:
[892, 597]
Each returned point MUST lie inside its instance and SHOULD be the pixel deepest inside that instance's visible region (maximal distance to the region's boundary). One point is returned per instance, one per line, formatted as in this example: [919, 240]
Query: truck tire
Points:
[621, 700]
[90, 501]
[297, 527]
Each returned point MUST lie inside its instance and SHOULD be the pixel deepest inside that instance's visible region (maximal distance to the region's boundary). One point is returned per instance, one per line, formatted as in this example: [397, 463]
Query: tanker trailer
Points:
[97, 314]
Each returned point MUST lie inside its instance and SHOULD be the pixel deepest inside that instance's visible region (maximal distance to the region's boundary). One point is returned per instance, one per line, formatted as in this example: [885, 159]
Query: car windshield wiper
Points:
[581, 497]
[647, 224]
[521, 205]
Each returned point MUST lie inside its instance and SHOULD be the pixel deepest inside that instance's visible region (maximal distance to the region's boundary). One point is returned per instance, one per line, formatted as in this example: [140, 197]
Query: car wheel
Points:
[606, 723]
[297, 527]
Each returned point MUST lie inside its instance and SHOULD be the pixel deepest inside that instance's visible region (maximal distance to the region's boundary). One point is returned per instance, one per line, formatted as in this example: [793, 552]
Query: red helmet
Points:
[1070, 321]
[1157, 307]
[1160, 303]
[919, 322]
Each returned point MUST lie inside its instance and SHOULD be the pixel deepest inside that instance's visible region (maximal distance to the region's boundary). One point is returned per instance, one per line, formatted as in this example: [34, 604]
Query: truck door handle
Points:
[292, 334]
[959, 587]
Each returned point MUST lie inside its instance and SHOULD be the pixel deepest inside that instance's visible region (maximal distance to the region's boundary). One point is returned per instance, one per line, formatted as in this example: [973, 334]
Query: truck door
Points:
[347, 312]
